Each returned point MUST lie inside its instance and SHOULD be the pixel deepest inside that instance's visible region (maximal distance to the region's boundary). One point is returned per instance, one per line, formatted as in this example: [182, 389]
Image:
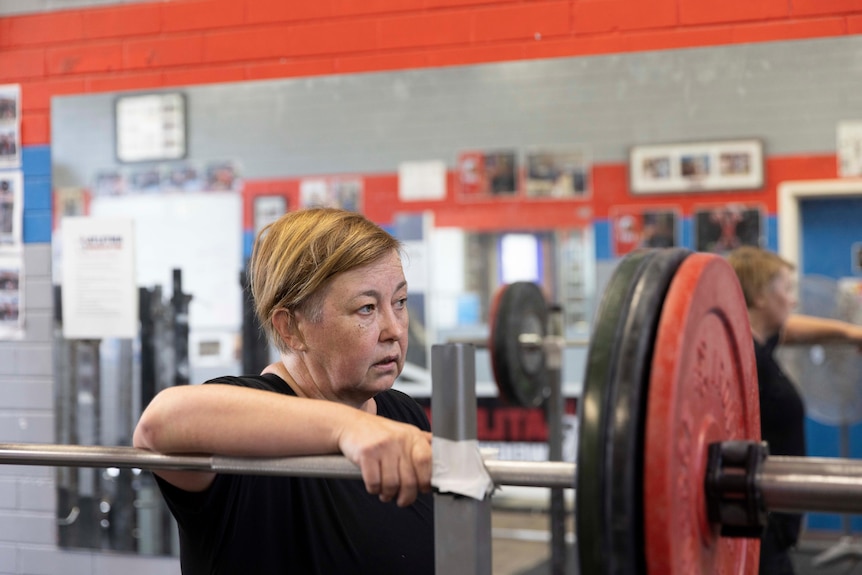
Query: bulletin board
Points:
[200, 233]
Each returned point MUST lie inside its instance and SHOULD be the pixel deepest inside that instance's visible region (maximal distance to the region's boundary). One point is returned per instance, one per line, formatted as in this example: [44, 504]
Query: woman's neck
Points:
[759, 328]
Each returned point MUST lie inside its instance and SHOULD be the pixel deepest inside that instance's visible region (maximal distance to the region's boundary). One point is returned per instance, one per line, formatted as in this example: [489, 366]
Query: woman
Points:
[330, 293]
[769, 287]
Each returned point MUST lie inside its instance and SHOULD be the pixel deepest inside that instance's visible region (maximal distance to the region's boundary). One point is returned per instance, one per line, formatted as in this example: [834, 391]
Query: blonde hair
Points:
[295, 257]
[756, 268]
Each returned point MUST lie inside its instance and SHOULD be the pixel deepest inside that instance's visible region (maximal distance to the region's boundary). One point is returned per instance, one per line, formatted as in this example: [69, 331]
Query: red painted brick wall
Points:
[187, 42]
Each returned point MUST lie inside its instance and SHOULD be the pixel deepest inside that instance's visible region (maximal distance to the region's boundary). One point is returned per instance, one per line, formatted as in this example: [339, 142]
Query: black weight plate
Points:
[623, 531]
[590, 505]
[519, 370]
[610, 455]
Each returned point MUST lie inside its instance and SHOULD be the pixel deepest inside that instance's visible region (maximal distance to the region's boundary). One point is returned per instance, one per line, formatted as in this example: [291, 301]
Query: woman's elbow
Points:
[151, 428]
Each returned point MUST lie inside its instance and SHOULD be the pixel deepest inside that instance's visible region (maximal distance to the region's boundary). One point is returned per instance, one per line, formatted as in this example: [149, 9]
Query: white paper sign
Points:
[849, 149]
[422, 181]
[100, 294]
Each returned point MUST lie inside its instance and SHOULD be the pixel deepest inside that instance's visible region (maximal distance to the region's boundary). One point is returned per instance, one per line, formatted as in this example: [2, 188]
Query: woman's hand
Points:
[395, 458]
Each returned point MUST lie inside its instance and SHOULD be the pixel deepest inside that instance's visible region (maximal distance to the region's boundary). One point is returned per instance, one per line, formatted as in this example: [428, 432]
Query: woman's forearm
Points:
[237, 421]
[801, 329]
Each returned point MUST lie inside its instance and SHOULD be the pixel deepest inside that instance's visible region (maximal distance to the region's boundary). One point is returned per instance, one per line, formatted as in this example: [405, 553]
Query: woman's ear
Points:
[288, 331]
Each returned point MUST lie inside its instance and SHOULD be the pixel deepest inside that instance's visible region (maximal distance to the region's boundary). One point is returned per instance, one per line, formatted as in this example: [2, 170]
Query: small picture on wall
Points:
[221, 177]
[70, 202]
[10, 126]
[181, 178]
[11, 195]
[725, 228]
[635, 228]
[8, 106]
[557, 174]
[109, 184]
[734, 164]
[694, 167]
[485, 174]
[8, 146]
[345, 193]
[267, 209]
[147, 181]
[9, 295]
[655, 168]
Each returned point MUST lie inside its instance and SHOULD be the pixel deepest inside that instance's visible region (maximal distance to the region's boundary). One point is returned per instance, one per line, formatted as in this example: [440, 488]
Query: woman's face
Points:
[358, 347]
[779, 299]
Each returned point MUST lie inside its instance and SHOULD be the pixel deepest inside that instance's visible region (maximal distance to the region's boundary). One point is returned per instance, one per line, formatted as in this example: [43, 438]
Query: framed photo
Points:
[336, 192]
[11, 297]
[557, 174]
[639, 227]
[724, 228]
[11, 209]
[486, 174]
[727, 165]
[10, 126]
[267, 209]
[150, 127]
[849, 149]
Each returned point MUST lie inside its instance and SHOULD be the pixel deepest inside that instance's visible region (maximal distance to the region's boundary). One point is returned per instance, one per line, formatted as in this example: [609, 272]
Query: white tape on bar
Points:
[459, 468]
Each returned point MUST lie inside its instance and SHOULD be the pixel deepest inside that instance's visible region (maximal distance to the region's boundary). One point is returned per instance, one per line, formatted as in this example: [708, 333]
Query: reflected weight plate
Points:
[703, 389]
[610, 455]
[519, 370]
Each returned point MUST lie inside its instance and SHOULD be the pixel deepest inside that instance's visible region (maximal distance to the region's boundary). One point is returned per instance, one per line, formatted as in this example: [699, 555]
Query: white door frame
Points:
[789, 196]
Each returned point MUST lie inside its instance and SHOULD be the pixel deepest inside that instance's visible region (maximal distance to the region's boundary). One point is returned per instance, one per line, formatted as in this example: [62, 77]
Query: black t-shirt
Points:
[262, 525]
[782, 412]
[782, 426]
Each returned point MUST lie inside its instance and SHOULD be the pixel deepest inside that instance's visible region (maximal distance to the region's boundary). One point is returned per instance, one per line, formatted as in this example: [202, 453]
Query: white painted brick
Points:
[8, 559]
[40, 495]
[28, 394]
[45, 560]
[8, 494]
[110, 564]
[28, 527]
[37, 260]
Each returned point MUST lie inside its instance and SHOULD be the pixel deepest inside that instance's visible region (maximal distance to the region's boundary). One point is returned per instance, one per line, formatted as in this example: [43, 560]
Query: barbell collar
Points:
[521, 473]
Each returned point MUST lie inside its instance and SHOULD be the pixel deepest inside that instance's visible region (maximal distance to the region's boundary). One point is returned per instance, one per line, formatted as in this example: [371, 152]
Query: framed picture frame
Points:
[484, 174]
[634, 227]
[267, 209]
[705, 166]
[150, 127]
[10, 126]
[557, 174]
[722, 228]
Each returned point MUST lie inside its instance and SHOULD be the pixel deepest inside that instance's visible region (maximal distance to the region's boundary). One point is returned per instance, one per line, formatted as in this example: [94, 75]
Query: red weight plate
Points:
[703, 389]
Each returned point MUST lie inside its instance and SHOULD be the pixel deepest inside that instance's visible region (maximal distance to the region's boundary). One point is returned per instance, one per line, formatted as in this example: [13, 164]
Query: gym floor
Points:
[521, 546]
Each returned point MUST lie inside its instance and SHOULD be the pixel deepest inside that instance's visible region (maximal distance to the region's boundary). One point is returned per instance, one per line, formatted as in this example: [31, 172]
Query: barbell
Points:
[671, 476]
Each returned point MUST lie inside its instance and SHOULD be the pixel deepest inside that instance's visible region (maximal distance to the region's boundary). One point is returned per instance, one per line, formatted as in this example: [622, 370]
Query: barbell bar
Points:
[791, 484]
[502, 472]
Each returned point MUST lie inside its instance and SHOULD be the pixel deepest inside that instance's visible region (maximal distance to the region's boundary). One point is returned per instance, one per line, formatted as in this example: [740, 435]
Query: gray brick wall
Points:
[790, 94]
